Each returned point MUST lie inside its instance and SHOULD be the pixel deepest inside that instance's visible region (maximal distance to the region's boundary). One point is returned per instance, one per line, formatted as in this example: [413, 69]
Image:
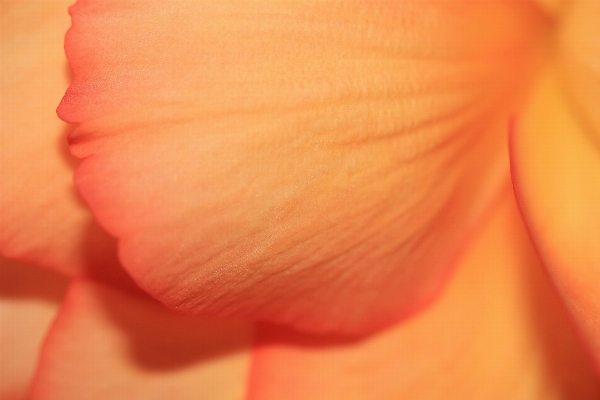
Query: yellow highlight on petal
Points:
[561, 171]
[556, 174]
[579, 42]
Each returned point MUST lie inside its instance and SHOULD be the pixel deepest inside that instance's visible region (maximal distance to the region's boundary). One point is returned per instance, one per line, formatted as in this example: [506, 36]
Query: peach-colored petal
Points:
[111, 344]
[29, 300]
[41, 218]
[316, 163]
[499, 332]
[556, 176]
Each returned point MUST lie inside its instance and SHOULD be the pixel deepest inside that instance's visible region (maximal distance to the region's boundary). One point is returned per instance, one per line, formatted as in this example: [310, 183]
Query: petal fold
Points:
[42, 219]
[556, 178]
[318, 164]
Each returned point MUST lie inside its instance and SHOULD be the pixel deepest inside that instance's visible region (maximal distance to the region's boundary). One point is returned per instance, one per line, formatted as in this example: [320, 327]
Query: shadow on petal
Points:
[29, 301]
[109, 343]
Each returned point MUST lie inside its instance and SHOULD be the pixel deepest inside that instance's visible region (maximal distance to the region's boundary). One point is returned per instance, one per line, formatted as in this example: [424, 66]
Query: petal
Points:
[318, 164]
[29, 300]
[43, 221]
[580, 60]
[556, 177]
[498, 332]
[553, 7]
[110, 344]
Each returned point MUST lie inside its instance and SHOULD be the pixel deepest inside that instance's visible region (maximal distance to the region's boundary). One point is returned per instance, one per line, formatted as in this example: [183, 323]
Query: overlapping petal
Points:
[556, 167]
[27, 307]
[317, 163]
[110, 344]
[42, 220]
[498, 332]
[556, 174]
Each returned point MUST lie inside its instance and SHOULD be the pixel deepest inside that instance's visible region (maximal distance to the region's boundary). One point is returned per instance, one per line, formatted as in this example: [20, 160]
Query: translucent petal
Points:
[318, 164]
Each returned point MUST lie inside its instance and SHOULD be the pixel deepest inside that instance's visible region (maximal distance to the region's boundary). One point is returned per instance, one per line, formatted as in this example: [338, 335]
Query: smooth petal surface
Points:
[29, 301]
[579, 43]
[312, 163]
[110, 344]
[553, 7]
[556, 177]
[498, 332]
[42, 220]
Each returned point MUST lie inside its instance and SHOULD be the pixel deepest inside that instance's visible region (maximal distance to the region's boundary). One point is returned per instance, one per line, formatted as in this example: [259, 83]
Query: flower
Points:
[278, 183]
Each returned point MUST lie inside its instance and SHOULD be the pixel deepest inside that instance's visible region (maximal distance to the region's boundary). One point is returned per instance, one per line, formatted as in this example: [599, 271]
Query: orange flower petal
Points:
[317, 164]
[498, 332]
[556, 176]
[553, 7]
[43, 221]
[29, 300]
[110, 344]
[580, 59]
